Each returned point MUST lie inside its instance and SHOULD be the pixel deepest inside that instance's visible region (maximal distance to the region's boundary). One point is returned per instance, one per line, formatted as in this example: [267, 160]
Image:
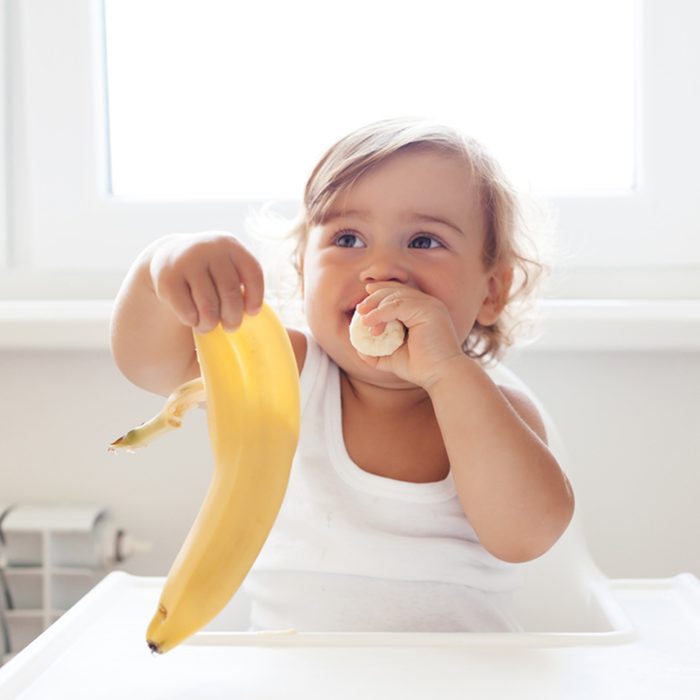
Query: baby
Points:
[419, 485]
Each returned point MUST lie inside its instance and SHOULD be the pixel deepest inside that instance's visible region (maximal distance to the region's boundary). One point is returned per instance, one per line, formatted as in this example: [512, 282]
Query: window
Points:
[634, 234]
[233, 103]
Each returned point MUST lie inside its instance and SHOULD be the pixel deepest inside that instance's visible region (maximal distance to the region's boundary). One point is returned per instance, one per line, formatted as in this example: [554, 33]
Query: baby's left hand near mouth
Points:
[430, 333]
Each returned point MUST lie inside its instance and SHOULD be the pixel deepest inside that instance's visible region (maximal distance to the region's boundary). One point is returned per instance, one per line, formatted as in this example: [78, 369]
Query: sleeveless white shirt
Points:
[354, 551]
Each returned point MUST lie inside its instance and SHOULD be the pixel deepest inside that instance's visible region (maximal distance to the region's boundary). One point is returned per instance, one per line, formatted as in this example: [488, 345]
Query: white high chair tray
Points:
[98, 650]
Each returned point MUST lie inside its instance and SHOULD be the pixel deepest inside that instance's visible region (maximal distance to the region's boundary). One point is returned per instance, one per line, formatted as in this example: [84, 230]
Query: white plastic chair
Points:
[563, 590]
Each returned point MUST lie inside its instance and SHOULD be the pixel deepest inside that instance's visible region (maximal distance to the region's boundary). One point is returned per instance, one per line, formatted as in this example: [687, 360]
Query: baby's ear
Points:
[498, 290]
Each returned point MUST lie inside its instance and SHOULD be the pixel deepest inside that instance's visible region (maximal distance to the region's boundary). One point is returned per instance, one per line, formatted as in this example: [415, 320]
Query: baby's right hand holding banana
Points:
[207, 278]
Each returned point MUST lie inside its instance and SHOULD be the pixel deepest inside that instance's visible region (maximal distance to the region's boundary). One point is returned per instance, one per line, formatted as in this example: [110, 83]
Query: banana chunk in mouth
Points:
[386, 343]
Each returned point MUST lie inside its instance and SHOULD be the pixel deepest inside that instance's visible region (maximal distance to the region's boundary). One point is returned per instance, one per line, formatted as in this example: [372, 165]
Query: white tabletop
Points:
[98, 650]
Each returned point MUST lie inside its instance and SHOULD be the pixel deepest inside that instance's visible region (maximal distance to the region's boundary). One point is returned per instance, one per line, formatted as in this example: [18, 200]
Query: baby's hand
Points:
[206, 278]
[431, 338]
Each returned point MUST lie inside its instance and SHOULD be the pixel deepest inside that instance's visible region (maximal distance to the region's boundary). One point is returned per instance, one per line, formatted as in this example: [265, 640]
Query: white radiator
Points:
[50, 557]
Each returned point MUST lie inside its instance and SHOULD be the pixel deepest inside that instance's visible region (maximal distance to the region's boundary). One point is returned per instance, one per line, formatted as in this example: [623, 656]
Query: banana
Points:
[253, 414]
[386, 343]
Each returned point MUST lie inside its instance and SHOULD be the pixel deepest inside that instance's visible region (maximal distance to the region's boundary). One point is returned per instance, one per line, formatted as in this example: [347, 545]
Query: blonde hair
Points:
[363, 149]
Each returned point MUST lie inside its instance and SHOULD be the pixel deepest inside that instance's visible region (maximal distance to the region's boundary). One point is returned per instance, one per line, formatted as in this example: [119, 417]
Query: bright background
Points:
[247, 94]
[618, 364]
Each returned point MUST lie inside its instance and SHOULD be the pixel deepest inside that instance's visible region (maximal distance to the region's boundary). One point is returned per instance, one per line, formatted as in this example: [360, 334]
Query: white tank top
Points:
[354, 551]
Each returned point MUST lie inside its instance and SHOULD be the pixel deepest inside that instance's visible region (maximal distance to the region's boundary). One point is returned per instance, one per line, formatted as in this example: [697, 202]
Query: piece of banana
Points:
[252, 395]
[386, 343]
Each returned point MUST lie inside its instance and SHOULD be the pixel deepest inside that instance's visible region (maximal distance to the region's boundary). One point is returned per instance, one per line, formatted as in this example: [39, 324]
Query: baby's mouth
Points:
[350, 312]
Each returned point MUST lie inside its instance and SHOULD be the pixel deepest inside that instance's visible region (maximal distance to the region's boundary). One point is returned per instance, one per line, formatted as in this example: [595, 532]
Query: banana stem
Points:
[185, 397]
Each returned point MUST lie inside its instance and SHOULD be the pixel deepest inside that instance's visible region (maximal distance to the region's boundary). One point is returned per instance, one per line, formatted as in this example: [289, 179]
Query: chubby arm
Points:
[179, 283]
[510, 485]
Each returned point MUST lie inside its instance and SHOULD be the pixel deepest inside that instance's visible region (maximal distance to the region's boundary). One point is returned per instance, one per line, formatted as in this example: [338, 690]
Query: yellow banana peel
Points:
[185, 397]
[252, 396]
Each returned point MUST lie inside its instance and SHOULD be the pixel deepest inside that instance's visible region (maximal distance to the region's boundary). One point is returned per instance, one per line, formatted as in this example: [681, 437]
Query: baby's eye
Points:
[348, 239]
[425, 240]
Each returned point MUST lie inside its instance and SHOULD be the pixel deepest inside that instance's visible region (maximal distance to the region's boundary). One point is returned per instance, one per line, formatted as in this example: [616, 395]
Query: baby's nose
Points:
[384, 268]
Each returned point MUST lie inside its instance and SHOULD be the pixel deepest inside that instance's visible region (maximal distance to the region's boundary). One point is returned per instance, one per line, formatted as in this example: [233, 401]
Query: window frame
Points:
[4, 144]
[53, 178]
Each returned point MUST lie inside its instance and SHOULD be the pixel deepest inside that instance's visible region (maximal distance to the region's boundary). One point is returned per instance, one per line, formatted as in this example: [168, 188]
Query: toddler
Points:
[419, 485]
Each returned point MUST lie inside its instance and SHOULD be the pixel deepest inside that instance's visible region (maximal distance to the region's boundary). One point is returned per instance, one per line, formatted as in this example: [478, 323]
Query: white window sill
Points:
[617, 325]
[55, 325]
[564, 325]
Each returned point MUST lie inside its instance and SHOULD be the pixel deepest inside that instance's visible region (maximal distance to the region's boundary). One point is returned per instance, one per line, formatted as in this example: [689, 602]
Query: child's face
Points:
[415, 219]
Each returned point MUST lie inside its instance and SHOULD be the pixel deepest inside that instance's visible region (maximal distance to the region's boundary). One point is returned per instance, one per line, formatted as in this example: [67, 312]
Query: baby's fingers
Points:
[227, 285]
[206, 300]
[380, 308]
[251, 277]
[240, 287]
[179, 297]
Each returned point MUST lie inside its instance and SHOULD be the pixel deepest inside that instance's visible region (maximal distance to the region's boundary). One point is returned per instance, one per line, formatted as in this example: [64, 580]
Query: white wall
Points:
[630, 421]
[60, 410]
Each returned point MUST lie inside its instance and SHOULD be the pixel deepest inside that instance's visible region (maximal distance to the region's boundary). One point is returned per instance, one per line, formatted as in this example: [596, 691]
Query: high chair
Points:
[563, 590]
[585, 636]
